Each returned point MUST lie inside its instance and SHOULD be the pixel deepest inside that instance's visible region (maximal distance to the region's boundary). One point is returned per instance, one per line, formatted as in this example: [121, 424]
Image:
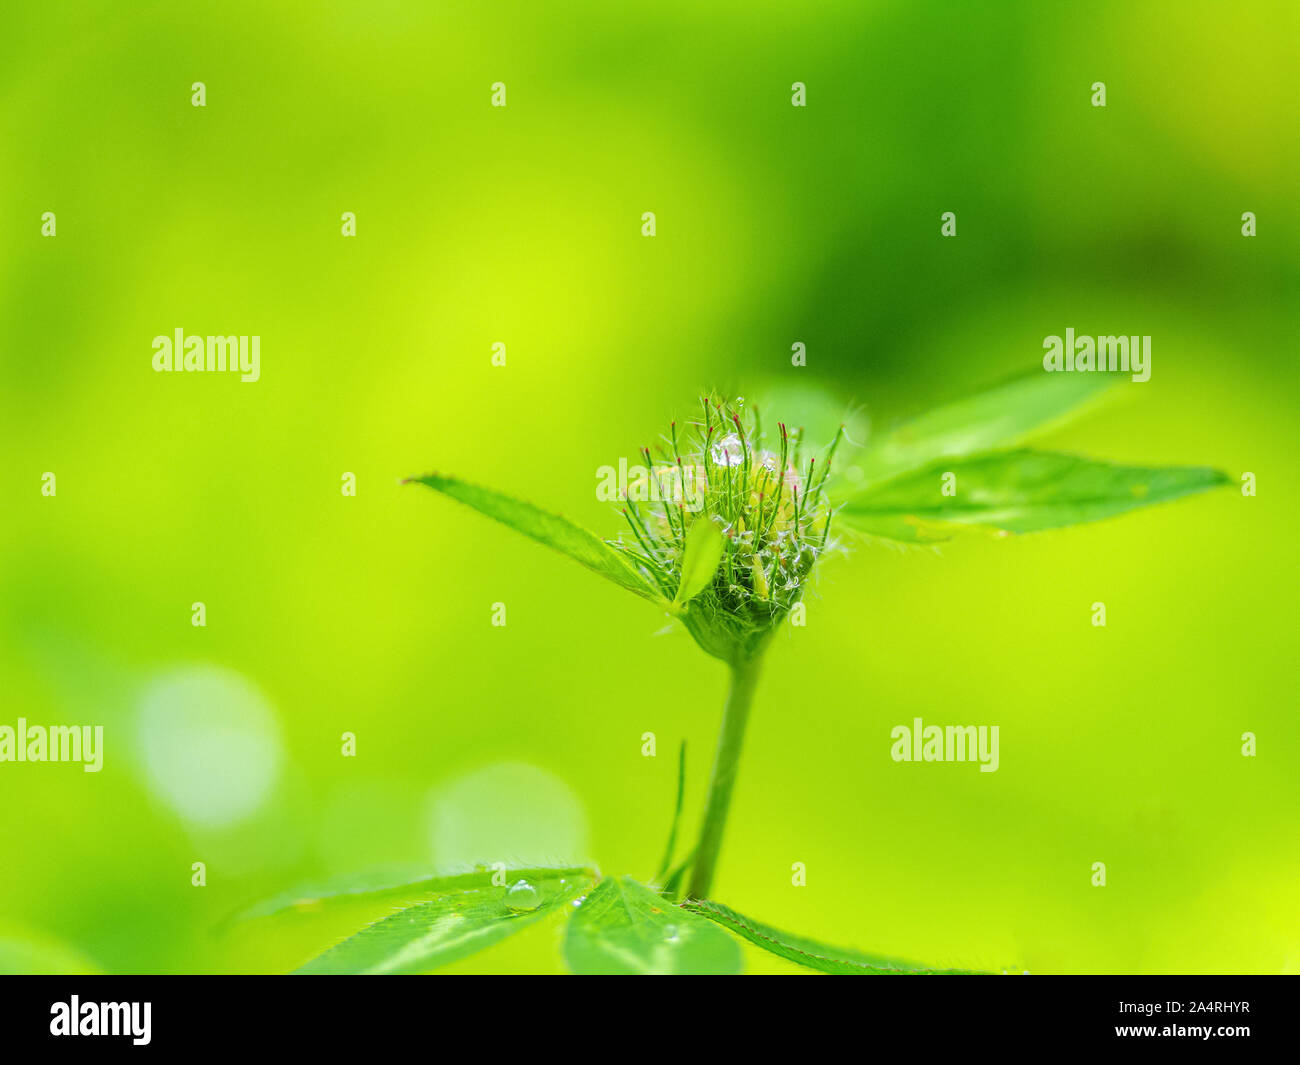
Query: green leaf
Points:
[677, 813]
[550, 529]
[403, 880]
[1004, 415]
[809, 952]
[625, 929]
[703, 552]
[1016, 492]
[450, 927]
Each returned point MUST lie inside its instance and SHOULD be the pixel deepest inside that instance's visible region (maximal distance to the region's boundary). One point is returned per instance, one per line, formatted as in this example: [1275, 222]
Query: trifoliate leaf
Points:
[623, 928]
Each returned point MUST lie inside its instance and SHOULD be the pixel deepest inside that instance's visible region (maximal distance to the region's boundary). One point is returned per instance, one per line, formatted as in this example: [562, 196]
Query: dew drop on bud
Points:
[728, 451]
[523, 897]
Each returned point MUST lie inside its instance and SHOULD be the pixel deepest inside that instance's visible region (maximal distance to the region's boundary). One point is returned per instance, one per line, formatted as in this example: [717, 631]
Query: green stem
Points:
[726, 761]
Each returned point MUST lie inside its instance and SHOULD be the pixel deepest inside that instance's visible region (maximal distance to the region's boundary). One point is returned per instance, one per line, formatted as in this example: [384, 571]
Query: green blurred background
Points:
[522, 225]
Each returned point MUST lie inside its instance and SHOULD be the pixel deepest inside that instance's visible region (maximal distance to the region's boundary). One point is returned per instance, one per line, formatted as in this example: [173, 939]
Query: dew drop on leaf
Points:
[523, 897]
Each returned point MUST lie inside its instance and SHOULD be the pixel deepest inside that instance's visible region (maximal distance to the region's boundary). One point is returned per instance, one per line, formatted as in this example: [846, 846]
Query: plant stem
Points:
[726, 761]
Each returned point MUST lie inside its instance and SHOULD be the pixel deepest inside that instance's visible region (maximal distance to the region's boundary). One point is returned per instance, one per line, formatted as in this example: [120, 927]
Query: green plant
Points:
[725, 530]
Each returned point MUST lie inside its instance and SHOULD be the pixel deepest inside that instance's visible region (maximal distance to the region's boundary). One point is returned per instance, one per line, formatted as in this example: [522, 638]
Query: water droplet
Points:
[523, 897]
[728, 451]
[670, 933]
